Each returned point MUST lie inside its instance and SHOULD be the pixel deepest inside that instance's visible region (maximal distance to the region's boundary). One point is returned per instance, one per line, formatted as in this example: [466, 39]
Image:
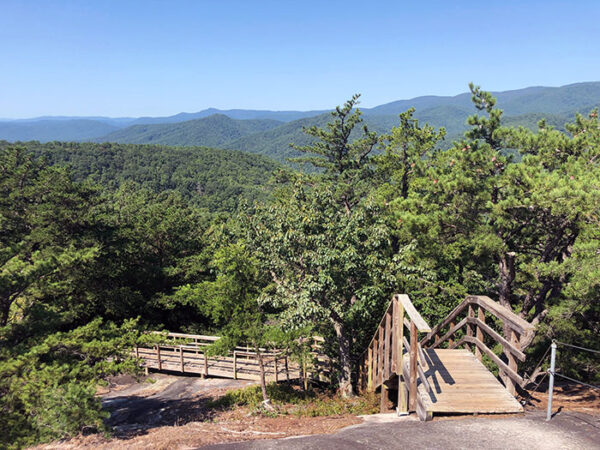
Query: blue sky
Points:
[132, 58]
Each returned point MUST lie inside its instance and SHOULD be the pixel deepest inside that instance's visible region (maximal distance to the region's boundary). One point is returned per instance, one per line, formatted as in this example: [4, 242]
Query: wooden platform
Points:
[460, 383]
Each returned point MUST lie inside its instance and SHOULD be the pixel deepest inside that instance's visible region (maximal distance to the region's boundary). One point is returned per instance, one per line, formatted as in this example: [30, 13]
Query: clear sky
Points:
[133, 58]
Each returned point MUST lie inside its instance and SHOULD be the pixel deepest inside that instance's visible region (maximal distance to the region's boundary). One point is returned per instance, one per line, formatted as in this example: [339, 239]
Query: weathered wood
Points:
[462, 384]
[512, 362]
[479, 330]
[181, 359]
[509, 371]
[235, 365]
[450, 340]
[158, 357]
[383, 406]
[386, 346]
[517, 323]
[415, 317]
[402, 403]
[413, 367]
[495, 335]
[276, 371]
[380, 363]
[453, 329]
[449, 320]
[394, 331]
[370, 369]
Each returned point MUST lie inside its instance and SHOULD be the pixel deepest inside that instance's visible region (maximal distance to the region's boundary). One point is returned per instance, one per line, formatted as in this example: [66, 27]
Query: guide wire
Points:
[577, 347]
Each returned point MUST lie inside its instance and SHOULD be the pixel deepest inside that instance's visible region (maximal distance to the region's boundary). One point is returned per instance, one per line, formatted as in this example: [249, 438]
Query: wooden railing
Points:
[186, 353]
[383, 358]
[473, 329]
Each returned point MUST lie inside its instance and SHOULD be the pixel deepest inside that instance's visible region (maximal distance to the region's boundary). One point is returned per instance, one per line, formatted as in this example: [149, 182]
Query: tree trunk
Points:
[4, 311]
[345, 376]
[263, 384]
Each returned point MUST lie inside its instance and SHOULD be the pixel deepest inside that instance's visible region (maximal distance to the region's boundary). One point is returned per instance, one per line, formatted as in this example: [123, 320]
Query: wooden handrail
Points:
[383, 357]
[412, 313]
[516, 327]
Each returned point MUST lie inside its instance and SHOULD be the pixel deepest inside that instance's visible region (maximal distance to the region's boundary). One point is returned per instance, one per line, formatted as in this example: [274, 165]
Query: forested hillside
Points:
[213, 131]
[208, 178]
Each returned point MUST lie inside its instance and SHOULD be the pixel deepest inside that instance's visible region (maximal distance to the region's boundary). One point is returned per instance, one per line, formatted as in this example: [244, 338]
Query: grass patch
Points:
[289, 399]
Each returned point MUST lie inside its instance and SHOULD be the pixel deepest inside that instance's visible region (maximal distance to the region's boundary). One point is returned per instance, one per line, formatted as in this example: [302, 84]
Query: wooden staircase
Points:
[429, 379]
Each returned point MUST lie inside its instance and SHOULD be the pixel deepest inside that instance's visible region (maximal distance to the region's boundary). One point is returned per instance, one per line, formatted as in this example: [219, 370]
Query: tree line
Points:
[84, 269]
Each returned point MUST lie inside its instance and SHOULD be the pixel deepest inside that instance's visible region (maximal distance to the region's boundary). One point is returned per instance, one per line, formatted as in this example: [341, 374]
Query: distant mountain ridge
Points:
[270, 132]
[212, 131]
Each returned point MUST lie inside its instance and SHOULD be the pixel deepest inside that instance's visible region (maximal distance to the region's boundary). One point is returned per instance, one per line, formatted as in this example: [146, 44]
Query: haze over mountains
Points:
[270, 132]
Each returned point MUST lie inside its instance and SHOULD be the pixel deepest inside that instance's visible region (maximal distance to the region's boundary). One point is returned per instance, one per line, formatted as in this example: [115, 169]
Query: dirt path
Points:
[528, 432]
[168, 400]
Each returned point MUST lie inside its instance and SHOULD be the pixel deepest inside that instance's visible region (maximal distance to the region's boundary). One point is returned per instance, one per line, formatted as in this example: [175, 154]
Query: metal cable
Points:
[524, 402]
[580, 348]
[574, 380]
[539, 363]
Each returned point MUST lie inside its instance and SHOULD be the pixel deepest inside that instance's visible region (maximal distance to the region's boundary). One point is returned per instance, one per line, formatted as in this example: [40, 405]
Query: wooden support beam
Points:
[181, 359]
[413, 366]
[505, 344]
[386, 347]
[380, 361]
[276, 371]
[394, 332]
[234, 365]
[510, 372]
[370, 384]
[512, 362]
[205, 364]
[402, 403]
[479, 331]
[158, 357]
[453, 329]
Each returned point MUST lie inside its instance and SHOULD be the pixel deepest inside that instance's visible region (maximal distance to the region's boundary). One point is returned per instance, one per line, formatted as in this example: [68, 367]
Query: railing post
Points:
[386, 348]
[469, 326]
[276, 372]
[402, 403]
[512, 361]
[158, 357]
[551, 384]
[413, 366]
[479, 332]
[370, 368]
[381, 368]
[380, 357]
[205, 364]
[450, 340]
[235, 365]
[181, 358]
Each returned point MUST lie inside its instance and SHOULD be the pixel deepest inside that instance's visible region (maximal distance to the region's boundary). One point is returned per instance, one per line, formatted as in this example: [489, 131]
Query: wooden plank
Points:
[512, 374]
[386, 346]
[402, 403]
[370, 383]
[413, 366]
[498, 337]
[517, 323]
[453, 329]
[414, 315]
[394, 332]
[380, 362]
[449, 318]
[478, 330]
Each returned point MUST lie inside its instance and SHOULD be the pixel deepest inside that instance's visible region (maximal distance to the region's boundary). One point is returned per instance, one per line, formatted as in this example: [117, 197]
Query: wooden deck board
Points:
[462, 384]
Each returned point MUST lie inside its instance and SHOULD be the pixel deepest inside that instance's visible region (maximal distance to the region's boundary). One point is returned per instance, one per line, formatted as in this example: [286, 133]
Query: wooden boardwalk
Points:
[430, 379]
[190, 357]
[460, 383]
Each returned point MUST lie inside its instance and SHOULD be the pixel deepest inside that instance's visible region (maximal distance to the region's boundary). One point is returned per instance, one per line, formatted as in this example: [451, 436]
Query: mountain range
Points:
[270, 132]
